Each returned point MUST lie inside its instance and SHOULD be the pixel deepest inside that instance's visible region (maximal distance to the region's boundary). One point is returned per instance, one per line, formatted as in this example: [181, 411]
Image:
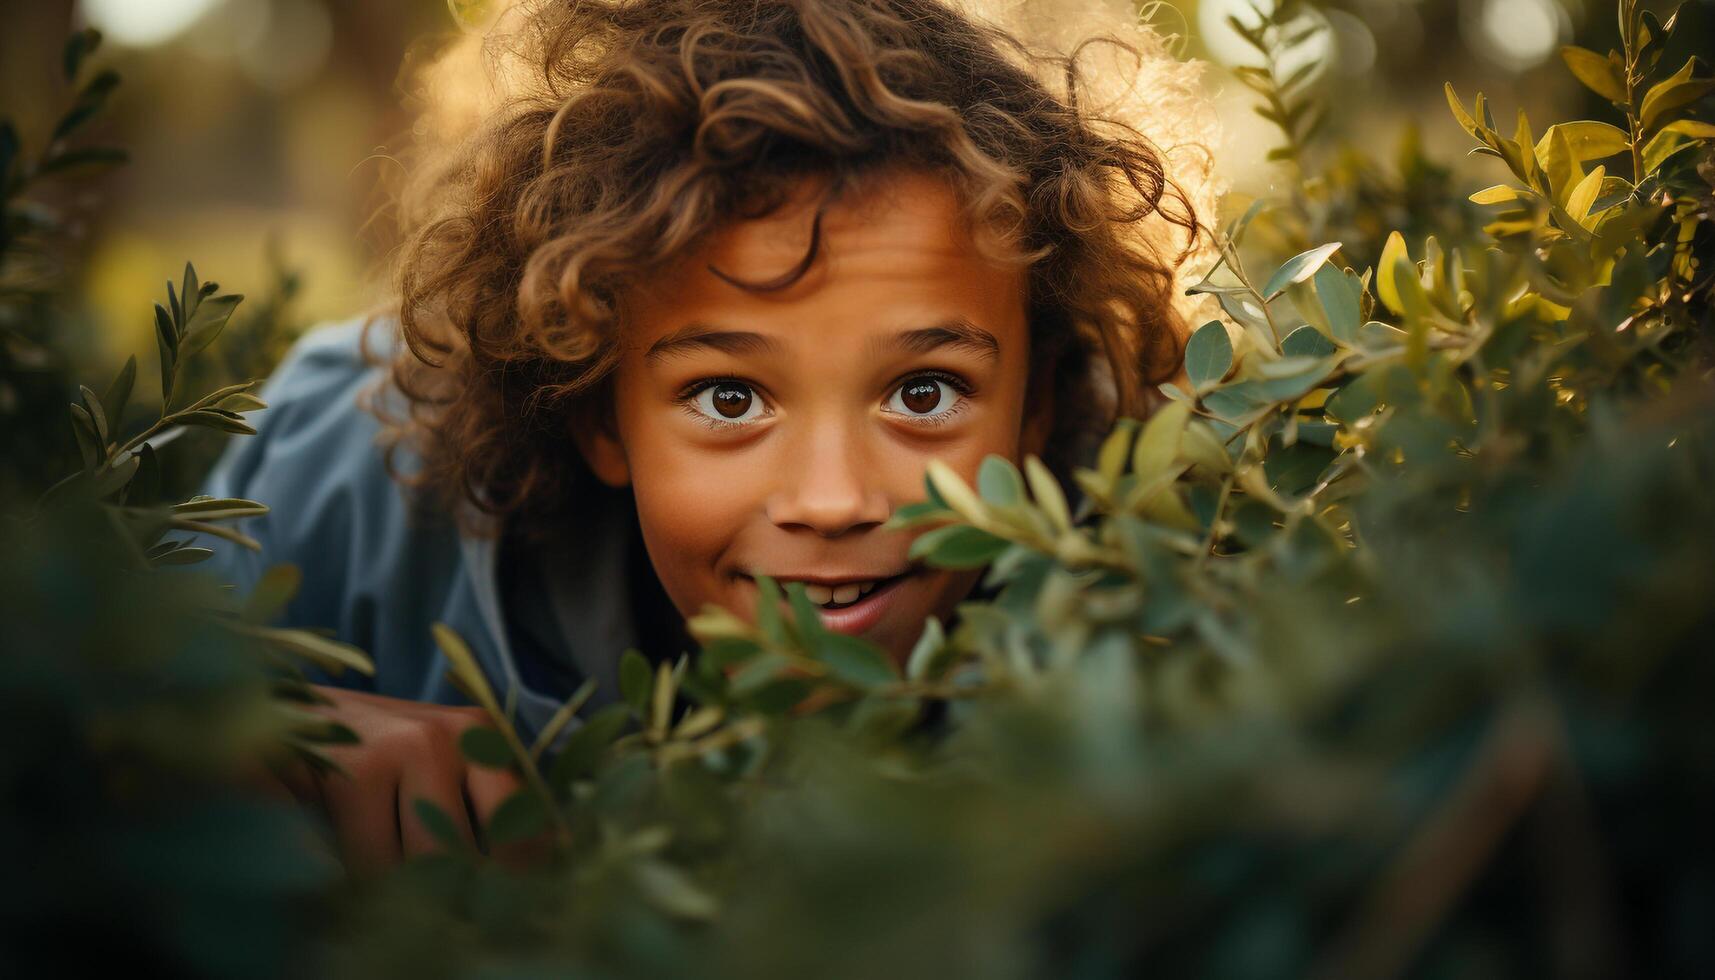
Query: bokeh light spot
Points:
[142, 23]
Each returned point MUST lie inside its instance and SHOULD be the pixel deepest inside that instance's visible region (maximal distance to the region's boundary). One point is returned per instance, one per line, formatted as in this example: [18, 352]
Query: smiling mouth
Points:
[841, 594]
[853, 606]
[832, 594]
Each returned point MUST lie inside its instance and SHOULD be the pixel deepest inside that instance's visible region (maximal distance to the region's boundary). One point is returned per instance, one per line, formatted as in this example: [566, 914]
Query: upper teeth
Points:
[822, 595]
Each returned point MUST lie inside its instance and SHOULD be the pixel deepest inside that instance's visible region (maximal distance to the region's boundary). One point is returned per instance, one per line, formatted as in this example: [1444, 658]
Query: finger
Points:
[366, 820]
[437, 785]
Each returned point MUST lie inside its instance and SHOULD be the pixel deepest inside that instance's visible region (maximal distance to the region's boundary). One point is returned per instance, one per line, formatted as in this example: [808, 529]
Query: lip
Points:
[864, 614]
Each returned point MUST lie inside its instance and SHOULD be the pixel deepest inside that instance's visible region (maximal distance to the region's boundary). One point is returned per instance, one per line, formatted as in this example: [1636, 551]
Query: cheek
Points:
[692, 506]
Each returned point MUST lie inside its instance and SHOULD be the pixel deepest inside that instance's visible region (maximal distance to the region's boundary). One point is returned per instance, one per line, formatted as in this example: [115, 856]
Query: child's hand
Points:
[407, 750]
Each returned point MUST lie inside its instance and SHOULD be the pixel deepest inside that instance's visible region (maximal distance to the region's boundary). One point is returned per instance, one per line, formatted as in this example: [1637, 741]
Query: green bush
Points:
[1383, 649]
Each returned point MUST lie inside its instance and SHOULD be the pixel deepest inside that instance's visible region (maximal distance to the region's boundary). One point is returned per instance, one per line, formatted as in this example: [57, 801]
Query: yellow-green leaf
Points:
[465, 668]
[1566, 147]
[1682, 88]
[1386, 289]
[1579, 201]
[956, 492]
[1159, 442]
[1046, 489]
[1110, 460]
[1498, 194]
[1597, 73]
[1459, 113]
[1694, 128]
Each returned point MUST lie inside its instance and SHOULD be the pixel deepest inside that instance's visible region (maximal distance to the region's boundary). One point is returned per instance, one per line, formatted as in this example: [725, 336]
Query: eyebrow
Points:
[700, 336]
[956, 332]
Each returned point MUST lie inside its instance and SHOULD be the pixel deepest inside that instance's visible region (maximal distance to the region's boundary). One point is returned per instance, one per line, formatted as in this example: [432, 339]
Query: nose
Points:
[828, 485]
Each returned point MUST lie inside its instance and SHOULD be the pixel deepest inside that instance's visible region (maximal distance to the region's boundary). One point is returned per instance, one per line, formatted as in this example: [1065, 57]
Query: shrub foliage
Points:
[1382, 648]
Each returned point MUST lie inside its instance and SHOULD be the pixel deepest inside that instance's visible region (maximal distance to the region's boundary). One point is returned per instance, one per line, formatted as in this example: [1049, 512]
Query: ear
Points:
[599, 442]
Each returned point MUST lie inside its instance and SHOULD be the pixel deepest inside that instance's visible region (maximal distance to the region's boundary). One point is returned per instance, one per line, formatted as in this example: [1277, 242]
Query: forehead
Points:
[893, 251]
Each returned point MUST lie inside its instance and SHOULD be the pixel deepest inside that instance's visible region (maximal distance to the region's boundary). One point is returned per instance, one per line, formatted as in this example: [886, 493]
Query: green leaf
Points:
[664, 692]
[519, 817]
[1239, 404]
[584, 747]
[635, 679]
[78, 47]
[181, 556]
[1307, 341]
[85, 159]
[242, 402]
[216, 418]
[90, 101]
[1342, 294]
[1175, 393]
[219, 508]
[957, 546]
[854, 661]
[206, 323]
[145, 486]
[89, 445]
[167, 340]
[1597, 73]
[439, 824]
[1298, 268]
[329, 654]
[804, 612]
[118, 394]
[1049, 496]
[768, 617]
[486, 747]
[998, 481]
[918, 514]
[673, 892]
[561, 718]
[92, 405]
[1208, 355]
[919, 666]
[1202, 447]
[272, 592]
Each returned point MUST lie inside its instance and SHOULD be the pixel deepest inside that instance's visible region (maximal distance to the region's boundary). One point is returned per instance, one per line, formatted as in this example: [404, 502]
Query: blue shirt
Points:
[379, 569]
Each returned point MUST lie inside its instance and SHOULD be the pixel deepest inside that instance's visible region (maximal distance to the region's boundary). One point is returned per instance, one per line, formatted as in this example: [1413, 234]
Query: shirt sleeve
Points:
[315, 462]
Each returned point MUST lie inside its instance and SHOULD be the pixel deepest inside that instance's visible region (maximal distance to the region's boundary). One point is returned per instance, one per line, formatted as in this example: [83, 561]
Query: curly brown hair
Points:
[620, 132]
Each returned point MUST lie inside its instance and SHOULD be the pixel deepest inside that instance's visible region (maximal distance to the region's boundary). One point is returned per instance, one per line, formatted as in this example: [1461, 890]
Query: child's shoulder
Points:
[317, 459]
[329, 359]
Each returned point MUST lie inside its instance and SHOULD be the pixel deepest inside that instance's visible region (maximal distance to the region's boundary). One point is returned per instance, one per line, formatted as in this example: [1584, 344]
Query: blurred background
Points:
[284, 115]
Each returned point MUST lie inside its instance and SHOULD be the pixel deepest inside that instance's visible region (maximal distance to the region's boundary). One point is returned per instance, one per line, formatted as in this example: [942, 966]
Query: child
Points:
[695, 297]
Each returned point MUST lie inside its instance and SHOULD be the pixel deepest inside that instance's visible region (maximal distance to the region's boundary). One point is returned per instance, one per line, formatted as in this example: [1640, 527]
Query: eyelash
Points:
[687, 397]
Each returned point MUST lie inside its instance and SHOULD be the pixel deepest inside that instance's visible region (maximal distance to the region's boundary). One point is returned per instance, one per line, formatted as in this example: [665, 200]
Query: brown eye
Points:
[924, 396]
[728, 404]
[732, 400]
[920, 396]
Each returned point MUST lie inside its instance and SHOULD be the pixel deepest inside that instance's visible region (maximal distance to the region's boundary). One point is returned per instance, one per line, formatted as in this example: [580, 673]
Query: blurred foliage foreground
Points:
[1385, 649]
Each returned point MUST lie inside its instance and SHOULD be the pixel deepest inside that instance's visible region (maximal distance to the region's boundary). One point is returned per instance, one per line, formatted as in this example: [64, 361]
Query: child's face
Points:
[774, 432]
